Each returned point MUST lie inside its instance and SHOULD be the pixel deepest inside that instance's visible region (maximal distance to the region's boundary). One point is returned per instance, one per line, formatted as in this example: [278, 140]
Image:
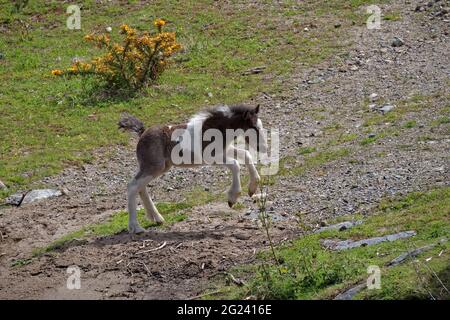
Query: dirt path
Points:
[325, 107]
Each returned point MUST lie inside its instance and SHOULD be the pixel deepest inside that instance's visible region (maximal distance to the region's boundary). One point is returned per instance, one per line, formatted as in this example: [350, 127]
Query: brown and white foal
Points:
[161, 147]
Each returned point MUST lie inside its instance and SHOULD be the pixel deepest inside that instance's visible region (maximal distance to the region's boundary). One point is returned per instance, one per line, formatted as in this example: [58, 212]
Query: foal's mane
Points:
[220, 111]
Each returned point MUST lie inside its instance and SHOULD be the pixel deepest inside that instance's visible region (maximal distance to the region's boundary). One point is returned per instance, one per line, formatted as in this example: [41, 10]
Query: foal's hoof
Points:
[252, 187]
[159, 219]
[136, 229]
[233, 197]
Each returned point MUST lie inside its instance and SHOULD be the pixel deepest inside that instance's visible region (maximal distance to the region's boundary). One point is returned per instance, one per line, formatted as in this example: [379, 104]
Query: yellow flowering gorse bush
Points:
[135, 62]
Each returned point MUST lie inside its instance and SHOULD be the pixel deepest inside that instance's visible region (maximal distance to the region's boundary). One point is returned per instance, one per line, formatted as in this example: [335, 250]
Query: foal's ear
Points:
[257, 109]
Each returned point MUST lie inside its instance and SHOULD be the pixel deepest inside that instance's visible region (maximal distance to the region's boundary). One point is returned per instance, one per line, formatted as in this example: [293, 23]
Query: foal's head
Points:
[250, 122]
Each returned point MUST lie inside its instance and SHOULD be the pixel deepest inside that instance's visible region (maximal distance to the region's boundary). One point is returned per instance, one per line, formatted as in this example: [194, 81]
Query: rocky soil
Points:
[318, 107]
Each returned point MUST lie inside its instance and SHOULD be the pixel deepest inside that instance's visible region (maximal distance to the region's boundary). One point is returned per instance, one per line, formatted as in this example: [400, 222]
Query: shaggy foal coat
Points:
[156, 145]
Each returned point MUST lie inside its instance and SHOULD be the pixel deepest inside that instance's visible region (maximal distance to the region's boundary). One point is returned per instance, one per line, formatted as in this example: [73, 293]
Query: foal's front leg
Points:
[235, 190]
[244, 155]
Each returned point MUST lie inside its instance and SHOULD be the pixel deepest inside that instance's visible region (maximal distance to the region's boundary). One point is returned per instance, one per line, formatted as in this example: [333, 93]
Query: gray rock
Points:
[39, 194]
[371, 135]
[340, 226]
[386, 108]
[412, 254]
[350, 293]
[350, 244]
[15, 199]
[397, 42]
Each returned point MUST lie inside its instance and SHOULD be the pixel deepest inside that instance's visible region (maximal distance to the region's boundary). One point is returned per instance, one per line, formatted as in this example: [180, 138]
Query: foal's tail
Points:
[129, 122]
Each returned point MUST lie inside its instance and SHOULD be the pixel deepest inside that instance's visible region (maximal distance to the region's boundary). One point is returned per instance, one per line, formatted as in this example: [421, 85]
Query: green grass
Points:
[369, 140]
[47, 123]
[441, 121]
[306, 150]
[392, 16]
[308, 271]
[410, 124]
[342, 138]
[21, 262]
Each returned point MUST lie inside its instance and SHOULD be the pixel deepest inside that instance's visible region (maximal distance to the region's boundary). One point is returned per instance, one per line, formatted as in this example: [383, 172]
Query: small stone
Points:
[206, 188]
[210, 94]
[2, 185]
[397, 42]
[337, 25]
[170, 189]
[108, 29]
[339, 226]
[242, 236]
[77, 59]
[373, 97]
[372, 106]
[371, 135]
[419, 8]
[65, 191]
[386, 108]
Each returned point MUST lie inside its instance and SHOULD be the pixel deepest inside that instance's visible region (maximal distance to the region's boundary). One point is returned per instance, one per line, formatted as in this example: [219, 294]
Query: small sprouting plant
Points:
[264, 217]
[19, 5]
[136, 62]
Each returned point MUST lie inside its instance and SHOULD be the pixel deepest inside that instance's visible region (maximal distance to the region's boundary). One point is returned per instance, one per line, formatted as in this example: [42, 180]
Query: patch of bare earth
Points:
[178, 261]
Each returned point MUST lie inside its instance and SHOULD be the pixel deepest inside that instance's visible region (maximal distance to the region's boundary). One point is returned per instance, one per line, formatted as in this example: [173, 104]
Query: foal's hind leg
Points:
[150, 208]
[134, 187]
[152, 212]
